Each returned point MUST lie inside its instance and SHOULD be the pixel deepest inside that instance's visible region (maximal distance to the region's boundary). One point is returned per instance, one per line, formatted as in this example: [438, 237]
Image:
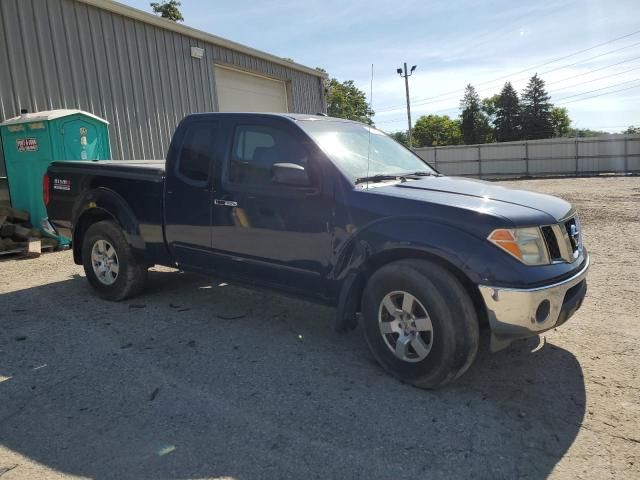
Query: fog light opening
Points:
[542, 313]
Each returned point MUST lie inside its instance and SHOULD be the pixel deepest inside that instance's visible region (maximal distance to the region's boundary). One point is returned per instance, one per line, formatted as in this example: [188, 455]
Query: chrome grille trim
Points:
[568, 254]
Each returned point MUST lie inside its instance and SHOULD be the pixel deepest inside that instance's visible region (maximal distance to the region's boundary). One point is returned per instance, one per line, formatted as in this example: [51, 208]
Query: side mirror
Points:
[289, 174]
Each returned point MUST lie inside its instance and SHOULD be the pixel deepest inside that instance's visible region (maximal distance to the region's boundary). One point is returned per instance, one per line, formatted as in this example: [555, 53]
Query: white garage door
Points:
[243, 92]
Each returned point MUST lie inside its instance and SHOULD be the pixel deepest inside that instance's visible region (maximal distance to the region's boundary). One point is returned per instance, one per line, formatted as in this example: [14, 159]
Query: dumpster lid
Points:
[48, 115]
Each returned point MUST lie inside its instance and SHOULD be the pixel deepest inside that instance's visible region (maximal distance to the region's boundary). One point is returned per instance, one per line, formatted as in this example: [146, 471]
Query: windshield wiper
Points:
[398, 176]
[378, 178]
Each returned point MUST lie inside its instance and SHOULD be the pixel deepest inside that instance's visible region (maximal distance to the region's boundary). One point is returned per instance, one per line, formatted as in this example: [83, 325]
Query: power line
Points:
[599, 95]
[593, 71]
[596, 79]
[550, 83]
[598, 89]
[537, 66]
[562, 100]
[567, 56]
[591, 58]
[457, 92]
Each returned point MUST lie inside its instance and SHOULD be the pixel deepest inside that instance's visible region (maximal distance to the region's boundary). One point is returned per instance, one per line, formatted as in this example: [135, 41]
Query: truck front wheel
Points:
[109, 264]
[420, 323]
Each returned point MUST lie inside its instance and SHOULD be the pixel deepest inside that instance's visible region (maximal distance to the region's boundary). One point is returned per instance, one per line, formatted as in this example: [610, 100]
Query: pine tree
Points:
[507, 116]
[536, 110]
[474, 124]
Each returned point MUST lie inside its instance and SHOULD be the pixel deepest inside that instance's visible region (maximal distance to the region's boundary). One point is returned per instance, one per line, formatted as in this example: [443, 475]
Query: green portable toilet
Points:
[33, 140]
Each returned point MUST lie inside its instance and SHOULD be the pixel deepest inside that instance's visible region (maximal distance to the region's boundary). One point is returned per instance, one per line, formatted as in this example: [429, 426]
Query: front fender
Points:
[100, 203]
[420, 235]
[392, 239]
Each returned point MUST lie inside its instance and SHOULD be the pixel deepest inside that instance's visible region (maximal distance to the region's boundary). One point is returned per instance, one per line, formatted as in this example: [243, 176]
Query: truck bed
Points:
[138, 183]
[155, 168]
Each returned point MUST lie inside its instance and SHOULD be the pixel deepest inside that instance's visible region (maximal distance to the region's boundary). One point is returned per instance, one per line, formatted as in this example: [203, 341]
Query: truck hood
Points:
[519, 206]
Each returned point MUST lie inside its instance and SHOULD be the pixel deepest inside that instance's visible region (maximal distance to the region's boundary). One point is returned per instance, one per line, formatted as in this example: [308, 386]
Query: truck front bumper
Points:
[520, 313]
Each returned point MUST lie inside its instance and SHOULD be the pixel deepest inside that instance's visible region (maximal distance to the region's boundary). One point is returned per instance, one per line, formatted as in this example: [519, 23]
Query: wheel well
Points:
[87, 219]
[378, 261]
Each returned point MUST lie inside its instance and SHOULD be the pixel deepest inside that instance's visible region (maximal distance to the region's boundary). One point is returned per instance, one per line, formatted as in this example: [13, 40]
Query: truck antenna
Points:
[369, 144]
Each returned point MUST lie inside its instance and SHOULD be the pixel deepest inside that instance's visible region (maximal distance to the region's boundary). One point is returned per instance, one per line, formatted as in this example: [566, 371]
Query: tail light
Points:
[45, 189]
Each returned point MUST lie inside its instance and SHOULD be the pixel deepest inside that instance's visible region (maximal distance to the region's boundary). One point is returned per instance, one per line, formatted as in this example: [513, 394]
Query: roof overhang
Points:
[160, 22]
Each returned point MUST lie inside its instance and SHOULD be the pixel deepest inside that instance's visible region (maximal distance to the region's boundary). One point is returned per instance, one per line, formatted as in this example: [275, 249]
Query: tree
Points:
[508, 116]
[585, 132]
[434, 130]
[490, 107]
[474, 124]
[536, 110]
[560, 121]
[345, 100]
[632, 130]
[401, 137]
[168, 10]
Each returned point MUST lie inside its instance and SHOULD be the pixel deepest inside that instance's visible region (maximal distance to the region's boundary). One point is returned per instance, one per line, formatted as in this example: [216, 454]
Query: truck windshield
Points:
[347, 145]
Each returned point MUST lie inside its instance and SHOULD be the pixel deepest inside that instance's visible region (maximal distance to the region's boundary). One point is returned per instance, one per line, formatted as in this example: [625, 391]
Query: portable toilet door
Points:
[83, 138]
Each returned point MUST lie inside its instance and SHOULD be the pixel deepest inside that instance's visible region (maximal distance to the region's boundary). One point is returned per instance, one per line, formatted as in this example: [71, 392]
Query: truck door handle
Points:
[225, 203]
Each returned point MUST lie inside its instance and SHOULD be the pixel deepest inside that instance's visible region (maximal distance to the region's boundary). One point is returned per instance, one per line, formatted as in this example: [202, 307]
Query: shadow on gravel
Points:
[194, 379]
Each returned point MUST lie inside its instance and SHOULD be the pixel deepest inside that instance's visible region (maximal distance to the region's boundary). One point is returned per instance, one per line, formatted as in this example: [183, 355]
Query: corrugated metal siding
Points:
[141, 78]
[556, 156]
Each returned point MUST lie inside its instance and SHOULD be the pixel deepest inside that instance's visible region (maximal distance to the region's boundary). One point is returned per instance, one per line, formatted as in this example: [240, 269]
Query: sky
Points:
[587, 51]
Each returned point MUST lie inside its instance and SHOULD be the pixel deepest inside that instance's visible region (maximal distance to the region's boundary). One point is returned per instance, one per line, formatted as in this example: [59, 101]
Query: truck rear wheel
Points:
[109, 263]
[420, 323]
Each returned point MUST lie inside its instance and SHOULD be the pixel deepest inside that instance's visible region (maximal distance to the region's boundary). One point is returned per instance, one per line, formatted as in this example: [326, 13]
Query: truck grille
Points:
[563, 240]
[552, 243]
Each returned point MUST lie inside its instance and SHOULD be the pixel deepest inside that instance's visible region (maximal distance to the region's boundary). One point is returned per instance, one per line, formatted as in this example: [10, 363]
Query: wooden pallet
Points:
[24, 248]
[11, 252]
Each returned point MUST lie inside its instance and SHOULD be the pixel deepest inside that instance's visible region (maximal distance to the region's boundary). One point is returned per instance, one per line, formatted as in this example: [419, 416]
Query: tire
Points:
[448, 333]
[109, 284]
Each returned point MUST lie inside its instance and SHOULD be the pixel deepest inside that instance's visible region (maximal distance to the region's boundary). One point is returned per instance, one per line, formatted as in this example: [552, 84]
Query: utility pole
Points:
[406, 86]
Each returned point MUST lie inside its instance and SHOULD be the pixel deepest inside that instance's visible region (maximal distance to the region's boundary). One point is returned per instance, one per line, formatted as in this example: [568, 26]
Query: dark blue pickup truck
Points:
[338, 213]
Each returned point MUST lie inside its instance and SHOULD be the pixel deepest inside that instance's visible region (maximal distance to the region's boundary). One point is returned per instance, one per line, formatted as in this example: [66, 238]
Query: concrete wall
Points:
[137, 75]
[557, 156]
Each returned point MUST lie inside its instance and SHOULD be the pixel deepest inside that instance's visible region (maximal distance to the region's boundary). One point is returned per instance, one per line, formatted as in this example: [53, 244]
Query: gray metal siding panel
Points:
[141, 78]
[7, 101]
[633, 150]
[14, 52]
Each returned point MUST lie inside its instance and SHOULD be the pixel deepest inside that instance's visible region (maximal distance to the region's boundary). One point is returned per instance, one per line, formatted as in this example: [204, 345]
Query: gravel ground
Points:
[195, 380]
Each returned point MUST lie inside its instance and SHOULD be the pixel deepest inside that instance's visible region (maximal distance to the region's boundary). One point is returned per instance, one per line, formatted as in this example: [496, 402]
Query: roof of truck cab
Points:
[289, 116]
[316, 117]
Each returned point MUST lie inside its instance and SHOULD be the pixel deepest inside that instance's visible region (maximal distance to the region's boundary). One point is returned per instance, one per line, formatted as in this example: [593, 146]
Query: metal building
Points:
[140, 72]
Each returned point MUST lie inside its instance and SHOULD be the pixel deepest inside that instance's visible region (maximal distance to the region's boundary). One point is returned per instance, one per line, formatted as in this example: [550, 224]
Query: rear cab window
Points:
[197, 152]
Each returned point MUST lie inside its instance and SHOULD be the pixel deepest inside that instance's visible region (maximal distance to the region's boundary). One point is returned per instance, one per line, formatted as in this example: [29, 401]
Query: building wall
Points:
[141, 78]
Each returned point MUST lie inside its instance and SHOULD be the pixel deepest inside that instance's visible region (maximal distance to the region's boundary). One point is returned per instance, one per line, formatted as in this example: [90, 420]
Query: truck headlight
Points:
[525, 244]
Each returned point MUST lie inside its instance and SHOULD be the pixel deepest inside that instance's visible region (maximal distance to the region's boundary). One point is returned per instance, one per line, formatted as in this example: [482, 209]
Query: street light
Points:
[406, 86]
